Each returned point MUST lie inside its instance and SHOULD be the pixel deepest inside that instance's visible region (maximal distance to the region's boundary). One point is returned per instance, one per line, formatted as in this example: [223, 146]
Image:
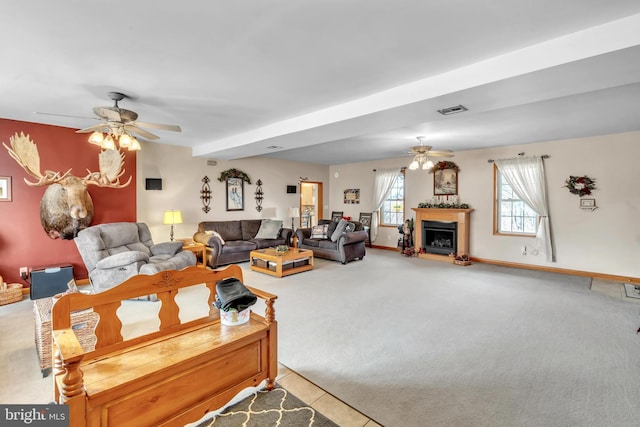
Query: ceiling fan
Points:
[423, 152]
[121, 121]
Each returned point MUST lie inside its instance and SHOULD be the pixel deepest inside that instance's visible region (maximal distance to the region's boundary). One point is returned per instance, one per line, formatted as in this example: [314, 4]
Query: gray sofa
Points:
[347, 246]
[229, 242]
[113, 252]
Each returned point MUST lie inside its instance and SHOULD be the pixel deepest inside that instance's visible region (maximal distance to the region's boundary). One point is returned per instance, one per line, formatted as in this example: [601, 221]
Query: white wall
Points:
[182, 181]
[604, 241]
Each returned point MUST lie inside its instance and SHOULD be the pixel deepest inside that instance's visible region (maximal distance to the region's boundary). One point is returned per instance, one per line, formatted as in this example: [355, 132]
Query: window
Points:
[392, 212]
[513, 215]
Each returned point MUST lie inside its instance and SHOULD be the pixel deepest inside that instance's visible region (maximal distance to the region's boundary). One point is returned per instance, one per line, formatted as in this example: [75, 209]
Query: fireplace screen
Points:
[440, 237]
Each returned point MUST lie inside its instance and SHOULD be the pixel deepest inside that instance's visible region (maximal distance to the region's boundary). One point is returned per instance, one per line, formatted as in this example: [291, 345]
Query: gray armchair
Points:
[114, 252]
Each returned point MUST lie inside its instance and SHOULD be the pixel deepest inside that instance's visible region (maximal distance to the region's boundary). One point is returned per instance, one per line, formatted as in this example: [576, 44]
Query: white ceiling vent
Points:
[453, 110]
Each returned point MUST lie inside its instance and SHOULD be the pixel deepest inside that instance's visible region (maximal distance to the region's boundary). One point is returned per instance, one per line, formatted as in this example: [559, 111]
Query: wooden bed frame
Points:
[168, 377]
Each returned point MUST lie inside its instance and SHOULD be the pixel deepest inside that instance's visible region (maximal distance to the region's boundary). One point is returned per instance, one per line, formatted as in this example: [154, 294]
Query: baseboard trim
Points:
[591, 274]
[386, 248]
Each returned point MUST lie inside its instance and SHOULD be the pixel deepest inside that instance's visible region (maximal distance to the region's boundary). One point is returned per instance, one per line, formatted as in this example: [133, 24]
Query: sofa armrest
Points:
[353, 237]
[303, 233]
[286, 234]
[208, 240]
[121, 259]
[166, 248]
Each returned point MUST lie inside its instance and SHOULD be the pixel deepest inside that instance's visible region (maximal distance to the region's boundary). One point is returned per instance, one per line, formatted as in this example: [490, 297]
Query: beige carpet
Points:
[410, 342]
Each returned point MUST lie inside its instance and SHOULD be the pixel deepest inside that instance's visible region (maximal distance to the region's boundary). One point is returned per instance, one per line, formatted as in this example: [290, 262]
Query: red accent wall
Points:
[23, 242]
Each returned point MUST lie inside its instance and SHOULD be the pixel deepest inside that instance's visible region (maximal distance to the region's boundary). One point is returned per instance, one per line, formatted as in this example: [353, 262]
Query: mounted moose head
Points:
[66, 206]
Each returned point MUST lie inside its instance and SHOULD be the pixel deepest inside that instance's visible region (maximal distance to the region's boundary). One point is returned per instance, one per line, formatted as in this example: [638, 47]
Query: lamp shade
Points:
[294, 213]
[172, 217]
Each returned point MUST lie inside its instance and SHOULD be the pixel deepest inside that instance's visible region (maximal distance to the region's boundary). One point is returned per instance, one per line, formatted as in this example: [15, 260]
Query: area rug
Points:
[277, 407]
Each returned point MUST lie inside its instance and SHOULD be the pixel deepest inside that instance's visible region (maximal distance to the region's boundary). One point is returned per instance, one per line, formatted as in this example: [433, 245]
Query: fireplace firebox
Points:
[440, 237]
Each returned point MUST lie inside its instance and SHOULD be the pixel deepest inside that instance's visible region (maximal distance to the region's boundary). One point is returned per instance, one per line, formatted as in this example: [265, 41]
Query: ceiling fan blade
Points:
[173, 128]
[107, 114]
[66, 115]
[140, 131]
[92, 128]
[443, 153]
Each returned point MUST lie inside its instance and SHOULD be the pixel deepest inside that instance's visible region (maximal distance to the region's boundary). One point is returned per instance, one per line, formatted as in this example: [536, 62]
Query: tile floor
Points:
[332, 408]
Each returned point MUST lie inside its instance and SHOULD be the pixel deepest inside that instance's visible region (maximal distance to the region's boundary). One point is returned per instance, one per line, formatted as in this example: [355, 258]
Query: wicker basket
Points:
[10, 293]
[458, 262]
[82, 322]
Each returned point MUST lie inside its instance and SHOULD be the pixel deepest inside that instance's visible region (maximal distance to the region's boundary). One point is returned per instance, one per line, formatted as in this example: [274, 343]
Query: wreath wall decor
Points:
[234, 173]
[444, 164]
[580, 185]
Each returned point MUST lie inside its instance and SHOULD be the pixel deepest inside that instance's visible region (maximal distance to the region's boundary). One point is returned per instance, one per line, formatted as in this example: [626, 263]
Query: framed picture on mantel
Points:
[445, 182]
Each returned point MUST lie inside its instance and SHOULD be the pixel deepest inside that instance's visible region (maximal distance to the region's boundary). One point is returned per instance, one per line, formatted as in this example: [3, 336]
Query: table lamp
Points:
[294, 213]
[172, 217]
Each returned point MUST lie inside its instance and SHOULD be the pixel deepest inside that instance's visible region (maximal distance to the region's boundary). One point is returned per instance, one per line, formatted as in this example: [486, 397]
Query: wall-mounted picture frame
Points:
[352, 196]
[445, 182]
[587, 203]
[235, 194]
[5, 189]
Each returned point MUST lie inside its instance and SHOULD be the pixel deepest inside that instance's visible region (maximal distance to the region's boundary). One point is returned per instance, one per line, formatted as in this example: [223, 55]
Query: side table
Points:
[197, 248]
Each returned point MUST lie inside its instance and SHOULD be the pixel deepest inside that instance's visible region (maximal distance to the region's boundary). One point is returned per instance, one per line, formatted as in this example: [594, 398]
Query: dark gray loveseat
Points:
[229, 242]
[348, 246]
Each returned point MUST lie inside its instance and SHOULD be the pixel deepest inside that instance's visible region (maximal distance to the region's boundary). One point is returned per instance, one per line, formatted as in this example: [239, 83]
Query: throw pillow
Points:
[339, 230]
[350, 227]
[216, 234]
[319, 231]
[331, 227]
[269, 229]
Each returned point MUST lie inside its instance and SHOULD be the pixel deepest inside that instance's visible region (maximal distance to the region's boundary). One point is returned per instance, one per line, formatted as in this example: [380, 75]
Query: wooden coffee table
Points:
[277, 264]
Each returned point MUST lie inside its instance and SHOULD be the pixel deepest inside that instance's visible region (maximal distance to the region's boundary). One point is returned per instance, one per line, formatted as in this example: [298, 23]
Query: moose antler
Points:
[111, 163]
[25, 152]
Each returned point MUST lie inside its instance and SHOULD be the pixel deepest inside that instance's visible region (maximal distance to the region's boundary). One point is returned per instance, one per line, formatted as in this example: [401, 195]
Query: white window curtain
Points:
[525, 175]
[384, 181]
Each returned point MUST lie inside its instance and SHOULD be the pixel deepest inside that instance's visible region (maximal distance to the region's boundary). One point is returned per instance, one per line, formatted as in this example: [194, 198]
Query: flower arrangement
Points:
[444, 164]
[234, 173]
[444, 205]
[281, 249]
[580, 185]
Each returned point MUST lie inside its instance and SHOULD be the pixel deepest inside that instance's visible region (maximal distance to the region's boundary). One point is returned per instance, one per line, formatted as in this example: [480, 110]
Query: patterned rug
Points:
[277, 407]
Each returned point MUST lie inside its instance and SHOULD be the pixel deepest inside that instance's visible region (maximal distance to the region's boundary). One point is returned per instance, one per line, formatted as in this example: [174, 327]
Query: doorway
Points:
[310, 203]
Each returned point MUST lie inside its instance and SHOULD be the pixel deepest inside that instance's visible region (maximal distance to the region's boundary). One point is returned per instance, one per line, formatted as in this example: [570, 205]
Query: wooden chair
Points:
[365, 219]
[336, 216]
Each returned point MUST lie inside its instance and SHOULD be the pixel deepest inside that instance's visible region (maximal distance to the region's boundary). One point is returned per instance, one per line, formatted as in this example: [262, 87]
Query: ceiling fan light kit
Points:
[421, 155]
